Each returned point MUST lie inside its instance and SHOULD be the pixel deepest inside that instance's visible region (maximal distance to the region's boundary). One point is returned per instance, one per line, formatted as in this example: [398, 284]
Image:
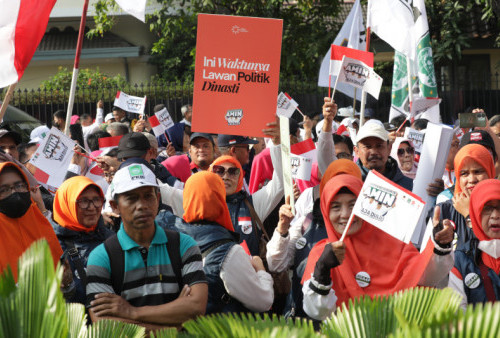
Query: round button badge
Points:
[472, 280]
[301, 243]
[363, 279]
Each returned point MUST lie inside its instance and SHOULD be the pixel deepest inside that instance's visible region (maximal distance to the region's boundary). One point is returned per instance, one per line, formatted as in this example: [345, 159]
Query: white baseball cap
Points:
[132, 177]
[38, 134]
[108, 117]
[346, 112]
[372, 128]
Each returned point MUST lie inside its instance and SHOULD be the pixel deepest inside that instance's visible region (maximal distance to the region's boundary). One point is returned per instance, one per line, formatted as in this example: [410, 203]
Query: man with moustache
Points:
[373, 149]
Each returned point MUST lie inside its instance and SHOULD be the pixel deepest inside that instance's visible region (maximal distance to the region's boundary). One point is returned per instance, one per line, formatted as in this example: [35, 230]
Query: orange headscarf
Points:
[65, 209]
[479, 154]
[485, 191]
[340, 166]
[204, 199]
[391, 264]
[234, 162]
[17, 234]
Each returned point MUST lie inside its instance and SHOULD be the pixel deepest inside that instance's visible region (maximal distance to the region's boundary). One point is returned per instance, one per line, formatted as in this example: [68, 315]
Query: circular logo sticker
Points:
[472, 280]
[363, 279]
[301, 242]
[246, 228]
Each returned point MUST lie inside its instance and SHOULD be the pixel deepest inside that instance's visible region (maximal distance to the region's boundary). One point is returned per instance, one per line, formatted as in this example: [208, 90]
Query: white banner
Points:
[286, 105]
[52, 158]
[416, 137]
[358, 74]
[388, 206]
[136, 8]
[301, 167]
[160, 122]
[129, 103]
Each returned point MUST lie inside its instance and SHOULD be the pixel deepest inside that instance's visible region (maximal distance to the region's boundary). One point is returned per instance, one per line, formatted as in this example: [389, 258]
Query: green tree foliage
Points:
[87, 78]
[308, 29]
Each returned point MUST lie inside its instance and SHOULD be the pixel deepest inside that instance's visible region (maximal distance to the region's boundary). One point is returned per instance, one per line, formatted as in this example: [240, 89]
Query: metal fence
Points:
[472, 91]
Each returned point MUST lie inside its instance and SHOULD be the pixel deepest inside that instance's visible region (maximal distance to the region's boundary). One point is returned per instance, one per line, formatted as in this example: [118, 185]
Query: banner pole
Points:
[74, 78]
[410, 87]
[347, 227]
[6, 100]
[363, 93]
[354, 101]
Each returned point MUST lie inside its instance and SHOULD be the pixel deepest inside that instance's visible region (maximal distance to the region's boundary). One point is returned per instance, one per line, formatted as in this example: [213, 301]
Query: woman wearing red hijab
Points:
[476, 273]
[369, 261]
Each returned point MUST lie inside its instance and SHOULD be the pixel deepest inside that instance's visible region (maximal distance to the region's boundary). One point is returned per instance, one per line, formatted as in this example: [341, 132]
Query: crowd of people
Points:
[187, 223]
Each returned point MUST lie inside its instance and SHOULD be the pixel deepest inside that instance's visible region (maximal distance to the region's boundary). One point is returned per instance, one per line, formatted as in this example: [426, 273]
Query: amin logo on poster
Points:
[54, 149]
[356, 73]
[234, 116]
[378, 201]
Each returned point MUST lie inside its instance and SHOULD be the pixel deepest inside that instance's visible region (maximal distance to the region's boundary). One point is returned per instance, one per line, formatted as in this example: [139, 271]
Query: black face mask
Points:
[16, 205]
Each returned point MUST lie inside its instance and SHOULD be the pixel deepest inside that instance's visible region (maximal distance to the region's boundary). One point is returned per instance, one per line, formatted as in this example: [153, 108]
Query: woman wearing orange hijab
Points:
[293, 240]
[369, 261]
[21, 221]
[476, 275]
[236, 281]
[473, 164]
[79, 228]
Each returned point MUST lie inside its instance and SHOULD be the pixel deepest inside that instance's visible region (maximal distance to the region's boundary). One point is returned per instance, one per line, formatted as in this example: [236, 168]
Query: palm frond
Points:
[165, 333]
[77, 320]
[249, 325]
[381, 316]
[115, 329]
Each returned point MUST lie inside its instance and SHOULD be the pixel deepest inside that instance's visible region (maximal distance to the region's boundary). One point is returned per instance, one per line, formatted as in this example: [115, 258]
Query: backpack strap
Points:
[488, 285]
[256, 218]
[116, 262]
[173, 249]
[72, 252]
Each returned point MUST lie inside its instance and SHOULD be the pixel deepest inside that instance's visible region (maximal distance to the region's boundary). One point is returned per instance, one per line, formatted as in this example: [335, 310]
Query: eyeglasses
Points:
[220, 170]
[5, 190]
[84, 203]
[344, 155]
[409, 151]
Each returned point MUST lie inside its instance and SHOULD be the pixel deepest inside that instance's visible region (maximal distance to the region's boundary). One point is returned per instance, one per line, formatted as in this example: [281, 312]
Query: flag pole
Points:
[74, 78]
[410, 87]
[347, 227]
[363, 93]
[6, 100]
[354, 101]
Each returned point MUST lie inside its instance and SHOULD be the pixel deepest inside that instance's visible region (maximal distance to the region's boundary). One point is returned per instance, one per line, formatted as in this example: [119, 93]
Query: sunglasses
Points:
[409, 151]
[220, 170]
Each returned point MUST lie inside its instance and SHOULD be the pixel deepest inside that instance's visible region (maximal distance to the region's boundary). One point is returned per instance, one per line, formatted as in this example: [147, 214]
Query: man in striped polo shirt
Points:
[144, 274]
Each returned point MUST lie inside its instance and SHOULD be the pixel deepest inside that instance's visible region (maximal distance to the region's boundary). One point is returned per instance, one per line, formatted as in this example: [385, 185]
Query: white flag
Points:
[352, 35]
[160, 122]
[129, 103]
[392, 21]
[358, 74]
[136, 8]
[52, 158]
[388, 206]
[301, 167]
[286, 105]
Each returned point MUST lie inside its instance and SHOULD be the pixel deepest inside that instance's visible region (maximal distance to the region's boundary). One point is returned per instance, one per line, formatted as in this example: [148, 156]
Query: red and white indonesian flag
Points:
[22, 26]
[306, 149]
[161, 121]
[52, 158]
[96, 174]
[352, 35]
[358, 74]
[108, 143]
[388, 206]
[136, 8]
[286, 105]
[338, 53]
[129, 103]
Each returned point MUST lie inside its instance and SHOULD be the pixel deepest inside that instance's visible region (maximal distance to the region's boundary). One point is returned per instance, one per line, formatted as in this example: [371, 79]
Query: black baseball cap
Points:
[479, 137]
[133, 145]
[203, 135]
[15, 136]
[231, 140]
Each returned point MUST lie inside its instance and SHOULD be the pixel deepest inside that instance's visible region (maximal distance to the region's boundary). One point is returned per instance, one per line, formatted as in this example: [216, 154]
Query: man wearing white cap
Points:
[373, 149]
[138, 275]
